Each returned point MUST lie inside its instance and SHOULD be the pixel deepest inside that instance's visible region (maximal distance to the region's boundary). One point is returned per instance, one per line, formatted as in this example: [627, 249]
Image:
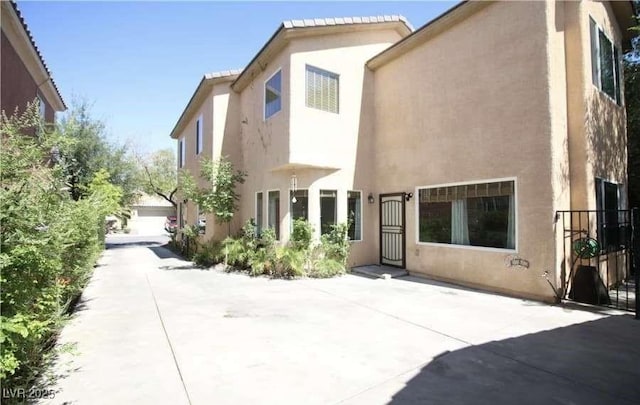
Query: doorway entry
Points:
[392, 229]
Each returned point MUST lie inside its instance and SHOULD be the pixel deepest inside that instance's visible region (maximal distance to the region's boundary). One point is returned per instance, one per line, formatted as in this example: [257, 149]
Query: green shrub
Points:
[326, 267]
[335, 244]
[290, 262]
[49, 244]
[301, 235]
[209, 254]
[263, 260]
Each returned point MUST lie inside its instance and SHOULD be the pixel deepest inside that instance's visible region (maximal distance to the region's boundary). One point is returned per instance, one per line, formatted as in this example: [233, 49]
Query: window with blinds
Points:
[322, 89]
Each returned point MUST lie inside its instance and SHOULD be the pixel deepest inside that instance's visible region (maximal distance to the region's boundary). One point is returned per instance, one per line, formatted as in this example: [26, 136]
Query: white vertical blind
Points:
[322, 89]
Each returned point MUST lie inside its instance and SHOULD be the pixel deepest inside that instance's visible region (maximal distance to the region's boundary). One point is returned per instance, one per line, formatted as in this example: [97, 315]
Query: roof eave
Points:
[283, 34]
[205, 85]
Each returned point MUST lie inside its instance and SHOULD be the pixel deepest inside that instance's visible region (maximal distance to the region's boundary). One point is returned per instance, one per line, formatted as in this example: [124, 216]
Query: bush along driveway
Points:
[156, 329]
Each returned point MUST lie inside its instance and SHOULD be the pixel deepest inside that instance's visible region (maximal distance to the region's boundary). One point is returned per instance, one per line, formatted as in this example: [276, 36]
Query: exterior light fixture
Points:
[408, 196]
[371, 198]
[294, 187]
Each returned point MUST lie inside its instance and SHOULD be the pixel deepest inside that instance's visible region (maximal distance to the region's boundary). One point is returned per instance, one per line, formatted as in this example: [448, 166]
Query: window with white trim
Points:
[480, 214]
[605, 63]
[181, 153]
[299, 200]
[258, 213]
[273, 95]
[328, 210]
[354, 210]
[181, 216]
[322, 89]
[42, 107]
[199, 135]
[273, 217]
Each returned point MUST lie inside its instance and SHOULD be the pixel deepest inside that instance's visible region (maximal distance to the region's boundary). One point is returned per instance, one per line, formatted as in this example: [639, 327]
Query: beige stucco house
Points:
[450, 147]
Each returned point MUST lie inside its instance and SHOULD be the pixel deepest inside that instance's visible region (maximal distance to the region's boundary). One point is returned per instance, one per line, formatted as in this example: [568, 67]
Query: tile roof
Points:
[321, 22]
[35, 47]
[223, 73]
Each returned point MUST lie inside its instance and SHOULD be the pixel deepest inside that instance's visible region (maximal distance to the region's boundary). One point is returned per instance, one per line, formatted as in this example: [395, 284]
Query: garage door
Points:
[150, 220]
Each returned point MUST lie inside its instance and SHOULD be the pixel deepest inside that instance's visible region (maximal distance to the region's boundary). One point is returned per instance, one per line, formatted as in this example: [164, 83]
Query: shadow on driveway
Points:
[588, 363]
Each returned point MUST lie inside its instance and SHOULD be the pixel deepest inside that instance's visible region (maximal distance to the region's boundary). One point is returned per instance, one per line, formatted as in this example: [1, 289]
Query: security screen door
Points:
[392, 229]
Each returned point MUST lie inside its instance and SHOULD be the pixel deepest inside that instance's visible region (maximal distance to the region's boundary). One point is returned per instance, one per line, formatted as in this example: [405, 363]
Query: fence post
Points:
[635, 252]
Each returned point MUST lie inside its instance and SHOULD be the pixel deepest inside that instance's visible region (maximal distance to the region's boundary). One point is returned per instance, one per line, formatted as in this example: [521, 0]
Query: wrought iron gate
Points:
[600, 252]
[392, 229]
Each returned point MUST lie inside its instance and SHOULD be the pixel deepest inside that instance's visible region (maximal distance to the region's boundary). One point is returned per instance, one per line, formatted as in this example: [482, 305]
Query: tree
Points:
[87, 150]
[220, 198]
[632, 101]
[160, 177]
[107, 194]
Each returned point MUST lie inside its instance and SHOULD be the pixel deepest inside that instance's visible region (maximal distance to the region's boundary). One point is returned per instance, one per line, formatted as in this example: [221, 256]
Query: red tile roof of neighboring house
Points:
[35, 47]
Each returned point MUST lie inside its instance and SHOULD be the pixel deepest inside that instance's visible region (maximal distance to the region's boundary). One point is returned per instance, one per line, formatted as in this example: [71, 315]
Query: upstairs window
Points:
[181, 153]
[605, 63]
[273, 95]
[322, 89]
[199, 135]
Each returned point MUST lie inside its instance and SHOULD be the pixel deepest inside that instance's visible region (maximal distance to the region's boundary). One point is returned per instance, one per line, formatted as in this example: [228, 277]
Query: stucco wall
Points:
[322, 149]
[220, 122]
[473, 104]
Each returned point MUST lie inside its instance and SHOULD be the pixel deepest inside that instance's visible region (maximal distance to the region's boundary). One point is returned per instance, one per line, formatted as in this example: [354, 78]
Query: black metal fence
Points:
[600, 257]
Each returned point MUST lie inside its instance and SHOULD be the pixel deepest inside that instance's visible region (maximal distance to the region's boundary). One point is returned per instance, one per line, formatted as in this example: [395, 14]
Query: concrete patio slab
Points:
[155, 329]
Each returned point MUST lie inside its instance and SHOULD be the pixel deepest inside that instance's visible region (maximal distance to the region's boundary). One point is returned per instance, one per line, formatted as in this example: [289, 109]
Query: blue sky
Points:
[138, 63]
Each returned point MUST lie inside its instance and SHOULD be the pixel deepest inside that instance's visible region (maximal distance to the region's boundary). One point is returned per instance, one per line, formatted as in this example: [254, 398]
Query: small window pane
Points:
[328, 210]
[274, 212]
[299, 205]
[595, 70]
[258, 214]
[272, 95]
[354, 210]
[606, 66]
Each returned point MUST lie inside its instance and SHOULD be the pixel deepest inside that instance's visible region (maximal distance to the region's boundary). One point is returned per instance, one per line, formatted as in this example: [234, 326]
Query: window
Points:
[608, 204]
[199, 135]
[42, 107]
[258, 214]
[605, 60]
[273, 220]
[299, 204]
[322, 89]
[181, 153]
[181, 210]
[354, 210]
[328, 210]
[201, 220]
[470, 214]
[272, 95]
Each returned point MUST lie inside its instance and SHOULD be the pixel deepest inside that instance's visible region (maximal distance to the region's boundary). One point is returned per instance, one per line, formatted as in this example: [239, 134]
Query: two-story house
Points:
[24, 77]
[450, 148]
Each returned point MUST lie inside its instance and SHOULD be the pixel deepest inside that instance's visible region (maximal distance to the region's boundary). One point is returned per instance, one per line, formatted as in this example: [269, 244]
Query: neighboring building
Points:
[24, 76]
[149, 215]
[451, 147]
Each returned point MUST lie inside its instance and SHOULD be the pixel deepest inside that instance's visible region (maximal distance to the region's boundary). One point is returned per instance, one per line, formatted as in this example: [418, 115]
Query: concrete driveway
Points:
[151, 329]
